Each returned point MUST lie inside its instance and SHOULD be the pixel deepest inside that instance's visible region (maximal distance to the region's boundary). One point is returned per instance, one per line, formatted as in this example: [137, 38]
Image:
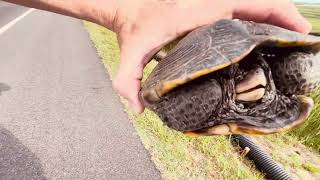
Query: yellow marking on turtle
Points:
[284, 43]
[168, 86]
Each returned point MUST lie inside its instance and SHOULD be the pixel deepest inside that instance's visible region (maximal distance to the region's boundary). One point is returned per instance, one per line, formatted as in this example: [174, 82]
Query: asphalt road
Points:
[9, 12]
[59, 118]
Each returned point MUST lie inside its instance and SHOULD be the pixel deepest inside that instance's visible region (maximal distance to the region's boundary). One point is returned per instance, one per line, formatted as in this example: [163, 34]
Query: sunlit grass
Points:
[309, 132]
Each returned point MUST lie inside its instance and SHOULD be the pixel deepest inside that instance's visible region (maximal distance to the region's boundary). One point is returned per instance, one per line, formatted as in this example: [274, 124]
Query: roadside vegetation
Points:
[313, 15]
[180, 157]
[309, 132]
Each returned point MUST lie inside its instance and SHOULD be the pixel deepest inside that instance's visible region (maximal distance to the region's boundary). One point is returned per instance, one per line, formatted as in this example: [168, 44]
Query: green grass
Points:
[180, 157]
[312, 13]
[311, 167]
[309, 132]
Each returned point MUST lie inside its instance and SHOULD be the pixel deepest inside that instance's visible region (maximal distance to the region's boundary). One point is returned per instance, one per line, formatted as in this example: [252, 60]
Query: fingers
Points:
[128, 80]
[281, 13]
[136, 51]
[135, 54]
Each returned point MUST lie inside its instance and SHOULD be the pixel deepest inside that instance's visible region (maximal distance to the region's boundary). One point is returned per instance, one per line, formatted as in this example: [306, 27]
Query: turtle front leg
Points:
[190, 106]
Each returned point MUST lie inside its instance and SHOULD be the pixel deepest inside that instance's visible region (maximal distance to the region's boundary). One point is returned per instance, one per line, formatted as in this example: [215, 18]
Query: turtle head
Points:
[252, 87]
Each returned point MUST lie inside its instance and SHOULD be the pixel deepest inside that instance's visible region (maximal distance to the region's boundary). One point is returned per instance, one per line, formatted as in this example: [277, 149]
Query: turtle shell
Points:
[214, 47]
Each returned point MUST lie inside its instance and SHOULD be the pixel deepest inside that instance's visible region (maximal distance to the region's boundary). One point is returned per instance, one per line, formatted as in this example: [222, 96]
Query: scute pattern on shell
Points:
[203, 49]
[218, 45]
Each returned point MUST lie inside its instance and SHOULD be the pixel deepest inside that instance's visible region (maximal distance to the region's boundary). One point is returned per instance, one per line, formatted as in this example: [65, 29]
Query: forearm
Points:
[98, 11]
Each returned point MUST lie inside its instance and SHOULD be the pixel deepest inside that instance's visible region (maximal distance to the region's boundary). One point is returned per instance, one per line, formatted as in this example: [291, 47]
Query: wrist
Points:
[102, 12]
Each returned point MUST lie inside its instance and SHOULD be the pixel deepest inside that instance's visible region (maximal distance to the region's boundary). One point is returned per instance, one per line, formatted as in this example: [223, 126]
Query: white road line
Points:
[13, 22]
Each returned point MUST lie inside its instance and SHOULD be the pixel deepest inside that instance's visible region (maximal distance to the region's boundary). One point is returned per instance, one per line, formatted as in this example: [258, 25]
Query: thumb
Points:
[280, 13]
[128, 80]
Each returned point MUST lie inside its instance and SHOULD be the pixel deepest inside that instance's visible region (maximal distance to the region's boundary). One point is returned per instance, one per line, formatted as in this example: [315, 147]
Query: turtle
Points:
[235, 77]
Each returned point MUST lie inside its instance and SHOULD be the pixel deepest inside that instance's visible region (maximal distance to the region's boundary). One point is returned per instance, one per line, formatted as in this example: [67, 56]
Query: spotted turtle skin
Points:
[296, 73]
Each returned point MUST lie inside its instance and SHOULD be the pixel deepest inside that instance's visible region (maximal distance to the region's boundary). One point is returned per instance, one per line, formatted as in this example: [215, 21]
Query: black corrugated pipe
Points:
[262, 160]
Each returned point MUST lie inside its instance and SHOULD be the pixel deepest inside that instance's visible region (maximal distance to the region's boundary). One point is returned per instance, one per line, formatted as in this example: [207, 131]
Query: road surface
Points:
[59, 118]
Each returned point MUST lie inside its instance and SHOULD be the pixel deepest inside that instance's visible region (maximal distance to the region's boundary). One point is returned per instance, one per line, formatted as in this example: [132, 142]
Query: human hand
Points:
[144, 26]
